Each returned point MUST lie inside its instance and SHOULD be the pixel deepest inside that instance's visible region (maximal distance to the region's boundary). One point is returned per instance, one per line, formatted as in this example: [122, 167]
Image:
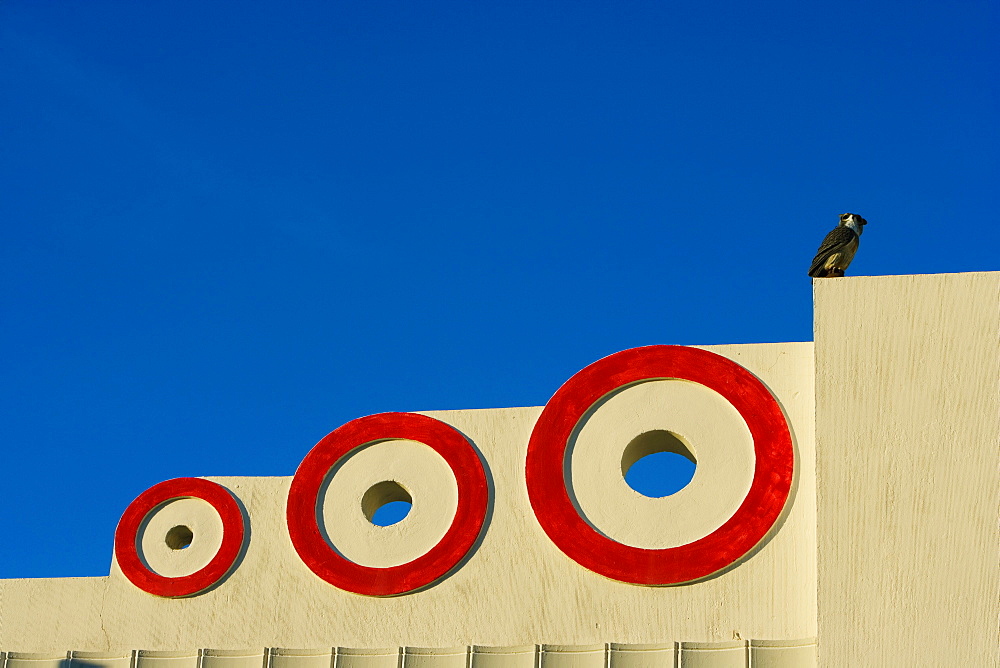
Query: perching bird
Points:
[838, 248]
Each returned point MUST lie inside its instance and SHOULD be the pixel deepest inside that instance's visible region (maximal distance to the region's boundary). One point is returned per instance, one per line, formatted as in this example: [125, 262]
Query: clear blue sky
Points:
[229, 228]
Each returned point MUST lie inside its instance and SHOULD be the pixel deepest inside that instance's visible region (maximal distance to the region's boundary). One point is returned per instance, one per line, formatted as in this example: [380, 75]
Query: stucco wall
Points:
[887, 550]
[516, 589]
[908, 431]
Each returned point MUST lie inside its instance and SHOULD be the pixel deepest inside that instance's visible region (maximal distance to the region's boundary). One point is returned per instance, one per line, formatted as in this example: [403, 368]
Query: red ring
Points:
[772, 478]
[127, 535]
[303, 499]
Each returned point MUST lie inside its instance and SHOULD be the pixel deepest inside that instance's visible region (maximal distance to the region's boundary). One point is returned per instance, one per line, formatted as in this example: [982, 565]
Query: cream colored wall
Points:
[907, 418]
[516, 589]
[908, 425]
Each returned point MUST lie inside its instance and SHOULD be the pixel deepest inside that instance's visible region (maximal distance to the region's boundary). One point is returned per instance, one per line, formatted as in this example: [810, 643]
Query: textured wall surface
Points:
[887, 551]
[908, 431]
[515, 589]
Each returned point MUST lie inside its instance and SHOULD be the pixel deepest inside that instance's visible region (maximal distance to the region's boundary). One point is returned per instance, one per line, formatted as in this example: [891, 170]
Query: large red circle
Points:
[127, 536]
[303, 498]
[759, 511]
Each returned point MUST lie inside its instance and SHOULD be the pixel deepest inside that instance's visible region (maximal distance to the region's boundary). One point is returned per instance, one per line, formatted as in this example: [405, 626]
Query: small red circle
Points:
[303, 498]
[772, 478]
[127, 536]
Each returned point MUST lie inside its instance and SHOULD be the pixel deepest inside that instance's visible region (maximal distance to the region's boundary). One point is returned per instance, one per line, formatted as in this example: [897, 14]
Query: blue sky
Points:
[228, 229]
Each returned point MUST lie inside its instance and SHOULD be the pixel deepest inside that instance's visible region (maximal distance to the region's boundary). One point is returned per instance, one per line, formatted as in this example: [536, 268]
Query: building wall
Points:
[885, 553]
[517, 588]
[908, 430]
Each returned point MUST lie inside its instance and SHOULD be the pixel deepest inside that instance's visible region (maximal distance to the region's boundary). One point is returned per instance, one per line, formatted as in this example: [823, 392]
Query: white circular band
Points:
[712, 429]
[188, 517]
[423, 473]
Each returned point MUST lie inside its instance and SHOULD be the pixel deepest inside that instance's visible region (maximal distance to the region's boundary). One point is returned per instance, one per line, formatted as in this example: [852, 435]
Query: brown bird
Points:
[838, 248]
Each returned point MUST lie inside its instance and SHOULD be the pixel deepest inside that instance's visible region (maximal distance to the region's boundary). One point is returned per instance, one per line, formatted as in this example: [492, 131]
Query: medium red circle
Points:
[303, 499]
[127, 536]
[772, 478]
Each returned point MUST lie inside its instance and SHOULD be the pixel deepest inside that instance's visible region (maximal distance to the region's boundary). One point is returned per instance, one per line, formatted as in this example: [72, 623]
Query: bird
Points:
[838, 248]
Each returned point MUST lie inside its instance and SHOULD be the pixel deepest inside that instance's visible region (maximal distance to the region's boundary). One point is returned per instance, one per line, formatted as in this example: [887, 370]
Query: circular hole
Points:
[657, 463]
[179, 537]
[386, 503]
